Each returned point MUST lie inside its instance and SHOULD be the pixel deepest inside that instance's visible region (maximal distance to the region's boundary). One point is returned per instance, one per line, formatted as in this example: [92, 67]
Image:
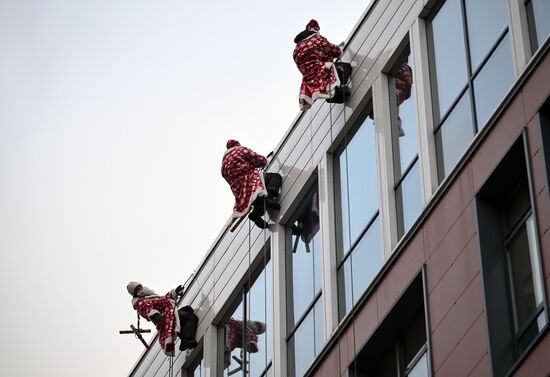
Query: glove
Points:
[179, 290]
[155, 318]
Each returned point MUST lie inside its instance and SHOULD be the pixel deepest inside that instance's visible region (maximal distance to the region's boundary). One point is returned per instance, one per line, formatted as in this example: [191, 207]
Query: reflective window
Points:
[511, 264]
[454, 135]
[493, 81]
[359, 253]
[398, 346]
[405, 143]
[358, 179]
[538, 13]
[305, 309]
[366, 260]
[486, 22]
[477, 61]
[248, 330]
[409, 199]
[449, 55]
[421, 367]
[198, 370]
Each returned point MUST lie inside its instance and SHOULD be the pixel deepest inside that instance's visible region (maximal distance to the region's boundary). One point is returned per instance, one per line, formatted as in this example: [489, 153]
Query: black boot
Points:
[341, 94]
[188, 328]
[271, 203]
[257, 219]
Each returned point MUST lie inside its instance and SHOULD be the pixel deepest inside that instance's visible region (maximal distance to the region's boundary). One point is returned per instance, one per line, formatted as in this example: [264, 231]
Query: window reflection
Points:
[421, 367]
[306, 322]
[455, 135]
[403, 104]
[493, 81]
[405, 144]
[538, 12]
[357, 209]
[449, 55]
[486, 21]
[360, 268]
[248, 335]
[358, 183]
[409, 199]
[306, 255]
[485, 78]
[199, 370]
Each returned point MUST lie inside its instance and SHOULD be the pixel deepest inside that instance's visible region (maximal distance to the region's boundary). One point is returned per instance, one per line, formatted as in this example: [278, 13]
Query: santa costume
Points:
[240, 169]
[314, 56]
[147, 303]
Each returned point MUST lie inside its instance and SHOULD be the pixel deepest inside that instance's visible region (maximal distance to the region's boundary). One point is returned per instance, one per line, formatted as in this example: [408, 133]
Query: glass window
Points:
[405, 144]
[493, 81]
[358, 233]
[449, 55]
[455, 134]
[358, 187]
[409, 199]
[398, 346]
[248, 331]
[477, 61]
[367, 259]
[198, 370]
[306, 315]
[486, 22]
[511, 264]
[538, 13]
[420, 369]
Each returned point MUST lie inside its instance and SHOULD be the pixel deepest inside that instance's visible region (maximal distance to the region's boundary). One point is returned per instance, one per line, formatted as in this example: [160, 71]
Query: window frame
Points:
[292, 325]
[400, 174]
[343, 255]
[242, 297]
[440, 119]
[481, 202]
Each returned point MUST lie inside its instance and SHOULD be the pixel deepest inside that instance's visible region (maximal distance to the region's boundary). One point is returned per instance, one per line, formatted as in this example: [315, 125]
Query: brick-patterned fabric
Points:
[314, 56]
[234, 330]
[239, 168]
[164, 305]
[403, 84]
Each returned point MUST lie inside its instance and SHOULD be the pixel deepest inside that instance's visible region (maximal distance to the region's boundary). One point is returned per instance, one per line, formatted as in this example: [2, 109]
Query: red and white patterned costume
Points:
[403, 84]
[314, 57]
[239, 168]
[234, 330]
[147, 303]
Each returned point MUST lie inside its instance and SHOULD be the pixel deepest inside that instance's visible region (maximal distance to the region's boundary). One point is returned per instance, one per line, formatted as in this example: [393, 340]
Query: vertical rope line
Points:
[246, 296]
[264, 250]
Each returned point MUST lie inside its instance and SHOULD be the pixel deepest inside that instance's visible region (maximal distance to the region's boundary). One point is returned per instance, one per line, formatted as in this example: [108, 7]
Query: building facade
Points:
[414, 234]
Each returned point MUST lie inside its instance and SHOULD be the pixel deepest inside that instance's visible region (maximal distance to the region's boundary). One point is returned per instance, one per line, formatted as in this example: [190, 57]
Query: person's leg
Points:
[258, 210]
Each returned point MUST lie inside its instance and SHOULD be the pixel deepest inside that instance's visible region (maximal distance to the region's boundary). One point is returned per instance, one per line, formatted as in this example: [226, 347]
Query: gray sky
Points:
[113, 119]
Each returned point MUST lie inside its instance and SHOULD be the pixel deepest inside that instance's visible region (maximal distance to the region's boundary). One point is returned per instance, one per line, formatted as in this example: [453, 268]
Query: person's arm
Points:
[257, 160]
[332, 50]
[145, 309]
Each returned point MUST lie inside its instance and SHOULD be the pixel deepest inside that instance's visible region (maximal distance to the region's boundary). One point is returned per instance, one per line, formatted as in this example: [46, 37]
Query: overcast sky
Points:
[113, 120]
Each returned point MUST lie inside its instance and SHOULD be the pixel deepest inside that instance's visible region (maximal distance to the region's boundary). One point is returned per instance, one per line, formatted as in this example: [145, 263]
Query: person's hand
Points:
[155, 318]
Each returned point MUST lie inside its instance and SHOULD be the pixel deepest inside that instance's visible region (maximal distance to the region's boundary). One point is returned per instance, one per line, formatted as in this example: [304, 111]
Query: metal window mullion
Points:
[385, 166]
[489, 54]
[328, 242]
[469, 65]
[419, 43]
[358, 239]
[522, 47]
[406, 172]
[280, 303]
[308, 310]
